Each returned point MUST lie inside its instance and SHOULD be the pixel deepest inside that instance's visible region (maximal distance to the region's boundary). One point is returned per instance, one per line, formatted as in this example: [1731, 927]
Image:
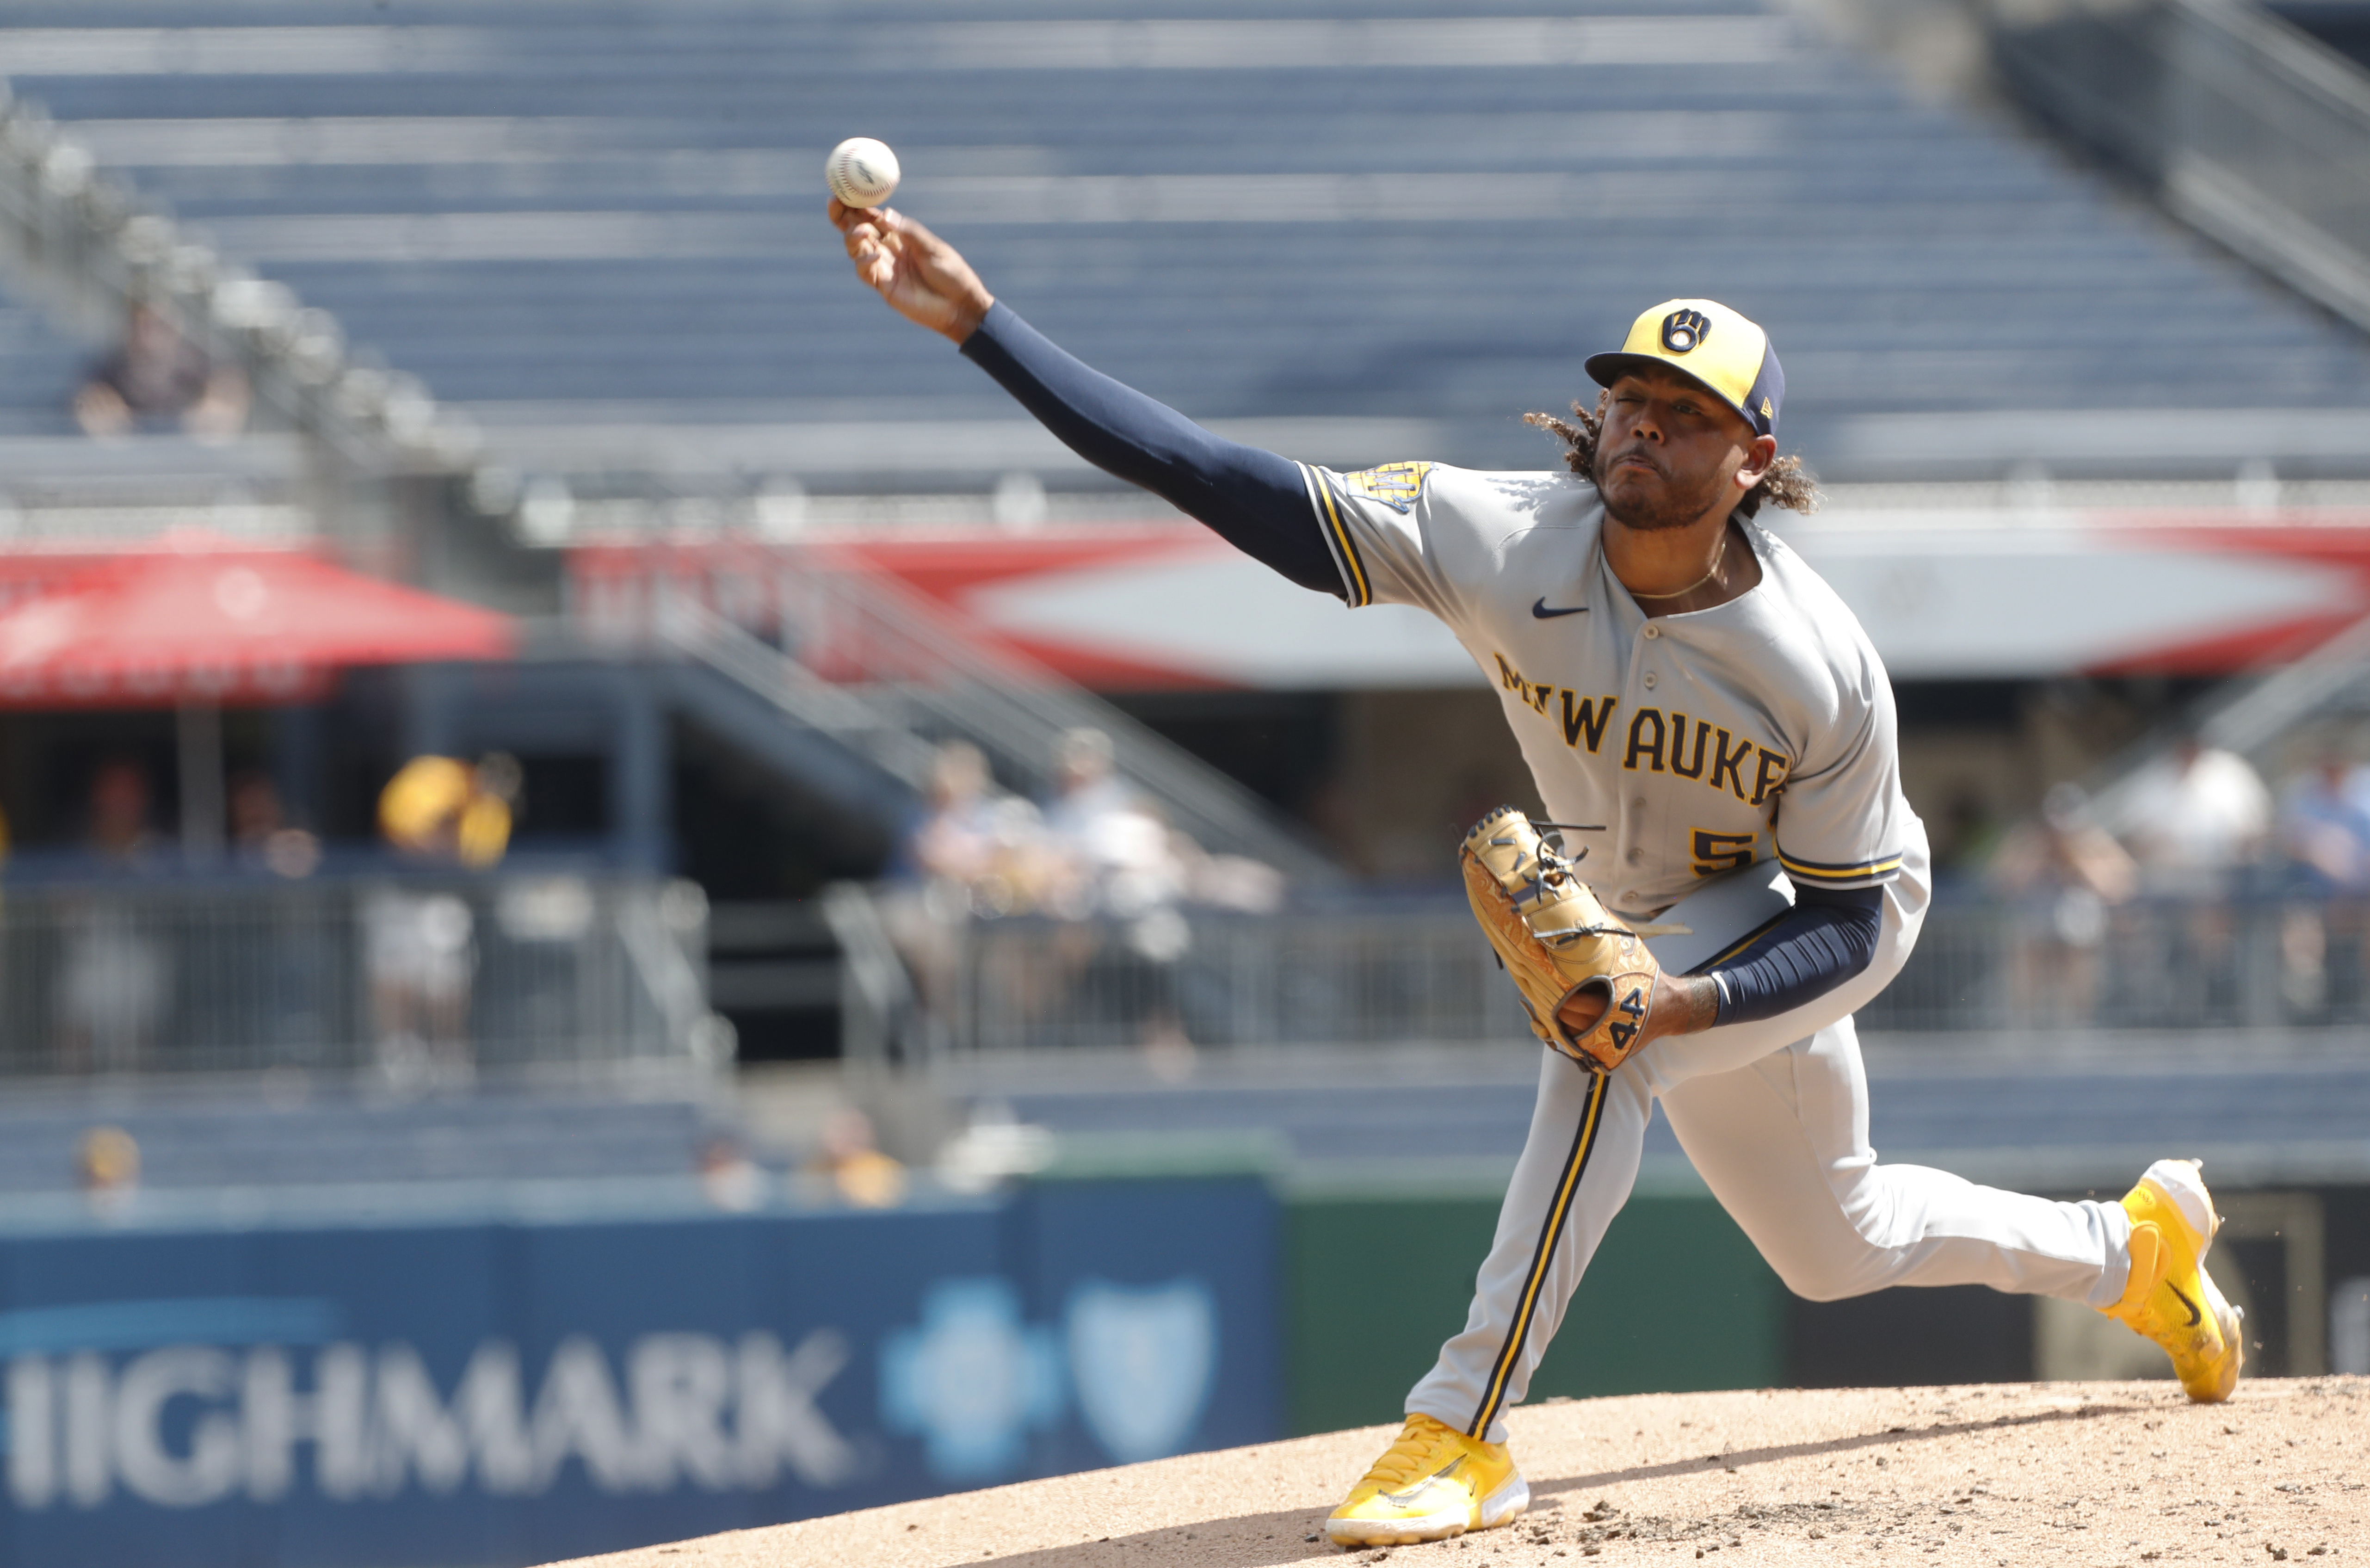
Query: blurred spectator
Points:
[2195, 817]
[2062, 873]
[1133, 876]
[971, 852]
[439, 807]
[1099, 861]
[1126, 865]
[956, 838]
[260, 832]
[851, 1158]
[2324, 836]
[1136, 876]
[420, 951]
[106, 1165]
[1114, 854]
[1086, 787]
[1131, 863]
[114, 979]
[293, 954]
[159, 379]
[118, 827]
[420, 946]
[2324, 825]
[731, 1179]
[1118, 862]
[1121, 857]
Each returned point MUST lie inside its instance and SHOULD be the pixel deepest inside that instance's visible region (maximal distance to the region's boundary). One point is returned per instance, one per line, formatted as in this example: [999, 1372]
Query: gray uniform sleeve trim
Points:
[1356, 585]
[1821, 874]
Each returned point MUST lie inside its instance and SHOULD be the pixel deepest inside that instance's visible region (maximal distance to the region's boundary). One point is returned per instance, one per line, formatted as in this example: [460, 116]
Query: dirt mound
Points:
[2091, 1473]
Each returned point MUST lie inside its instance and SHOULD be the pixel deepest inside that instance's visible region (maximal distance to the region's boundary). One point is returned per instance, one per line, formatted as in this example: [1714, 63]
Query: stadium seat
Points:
[561, 211]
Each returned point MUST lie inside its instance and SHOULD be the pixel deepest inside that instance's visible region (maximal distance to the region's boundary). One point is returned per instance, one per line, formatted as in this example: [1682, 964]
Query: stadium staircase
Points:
[2241, 121]
[905, 675]
[890, 675]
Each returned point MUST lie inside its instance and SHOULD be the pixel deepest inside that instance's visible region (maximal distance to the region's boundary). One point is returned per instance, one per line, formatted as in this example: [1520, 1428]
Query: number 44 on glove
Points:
[1558, 941]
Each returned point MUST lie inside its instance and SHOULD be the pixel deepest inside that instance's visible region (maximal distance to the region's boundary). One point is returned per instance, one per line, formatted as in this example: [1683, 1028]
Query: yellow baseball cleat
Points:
[1432, 1483]
[2170, 1299]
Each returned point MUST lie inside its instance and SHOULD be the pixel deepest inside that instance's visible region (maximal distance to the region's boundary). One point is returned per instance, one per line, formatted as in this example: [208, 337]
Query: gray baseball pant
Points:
[1779, 1132]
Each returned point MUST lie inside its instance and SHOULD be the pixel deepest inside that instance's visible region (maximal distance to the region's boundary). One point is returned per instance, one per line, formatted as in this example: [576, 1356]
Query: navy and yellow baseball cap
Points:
[1702, 338]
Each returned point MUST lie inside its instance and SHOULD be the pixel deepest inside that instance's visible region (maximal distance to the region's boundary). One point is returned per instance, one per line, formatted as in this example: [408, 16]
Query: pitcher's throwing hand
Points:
[923, 278]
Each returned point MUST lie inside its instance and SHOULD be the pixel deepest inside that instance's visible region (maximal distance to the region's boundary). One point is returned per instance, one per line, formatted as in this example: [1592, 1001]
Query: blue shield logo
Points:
[1141, 1360]
[972, 1380]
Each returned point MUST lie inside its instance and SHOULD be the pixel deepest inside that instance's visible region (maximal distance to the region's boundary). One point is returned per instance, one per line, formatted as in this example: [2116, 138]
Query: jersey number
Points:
[1717, 852]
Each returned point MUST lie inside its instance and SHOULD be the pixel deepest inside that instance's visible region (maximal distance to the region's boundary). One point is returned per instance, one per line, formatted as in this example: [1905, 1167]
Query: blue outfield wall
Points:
[487, 1392]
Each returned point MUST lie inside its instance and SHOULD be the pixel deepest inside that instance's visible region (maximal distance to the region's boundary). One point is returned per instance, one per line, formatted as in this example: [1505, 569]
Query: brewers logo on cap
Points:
[1682, 329]
[1728, 353]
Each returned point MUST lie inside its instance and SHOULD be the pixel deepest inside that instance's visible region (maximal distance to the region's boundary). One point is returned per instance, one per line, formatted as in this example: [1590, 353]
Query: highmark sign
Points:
[503, 1393]
[185, 1425]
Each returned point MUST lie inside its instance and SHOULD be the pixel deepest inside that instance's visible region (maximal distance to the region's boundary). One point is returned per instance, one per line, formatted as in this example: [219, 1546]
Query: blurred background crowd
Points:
[548, 744]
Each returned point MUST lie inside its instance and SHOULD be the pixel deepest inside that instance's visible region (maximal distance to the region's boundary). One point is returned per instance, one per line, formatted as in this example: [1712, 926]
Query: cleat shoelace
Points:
[1403, 1461]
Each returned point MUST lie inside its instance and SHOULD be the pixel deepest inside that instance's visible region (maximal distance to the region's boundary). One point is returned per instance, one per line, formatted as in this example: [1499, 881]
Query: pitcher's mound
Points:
[2089, 1473]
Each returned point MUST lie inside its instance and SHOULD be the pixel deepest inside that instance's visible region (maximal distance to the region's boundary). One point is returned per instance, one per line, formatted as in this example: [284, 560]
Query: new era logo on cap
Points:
[1728, 353]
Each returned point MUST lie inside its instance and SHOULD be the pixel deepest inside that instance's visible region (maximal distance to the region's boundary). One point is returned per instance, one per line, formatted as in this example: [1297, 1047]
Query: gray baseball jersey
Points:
[1702, 741]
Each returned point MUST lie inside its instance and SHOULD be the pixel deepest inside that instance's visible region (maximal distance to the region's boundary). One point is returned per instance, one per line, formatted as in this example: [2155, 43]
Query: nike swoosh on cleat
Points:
[2195, 1316]
[1406, 1499]
[1540, 610]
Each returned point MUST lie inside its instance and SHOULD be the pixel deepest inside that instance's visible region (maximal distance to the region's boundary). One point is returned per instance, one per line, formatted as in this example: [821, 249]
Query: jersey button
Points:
[1653, 631]
[1647, 680]
[1637, 854]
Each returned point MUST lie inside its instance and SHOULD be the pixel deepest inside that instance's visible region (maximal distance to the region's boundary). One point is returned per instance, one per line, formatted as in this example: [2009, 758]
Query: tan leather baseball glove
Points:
[1557, 940]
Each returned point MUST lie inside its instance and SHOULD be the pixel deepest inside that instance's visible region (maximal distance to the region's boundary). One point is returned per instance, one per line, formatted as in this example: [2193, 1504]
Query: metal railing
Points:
[1421, 973]
[1372, 976]
[424, 979]
[2251, 130]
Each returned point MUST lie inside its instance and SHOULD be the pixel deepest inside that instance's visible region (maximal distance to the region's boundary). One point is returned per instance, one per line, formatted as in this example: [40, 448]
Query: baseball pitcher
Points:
[1738, 869]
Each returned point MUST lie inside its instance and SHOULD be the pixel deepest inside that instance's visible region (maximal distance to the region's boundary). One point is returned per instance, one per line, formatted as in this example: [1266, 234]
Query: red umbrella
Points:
[217, 625]
[201, 623]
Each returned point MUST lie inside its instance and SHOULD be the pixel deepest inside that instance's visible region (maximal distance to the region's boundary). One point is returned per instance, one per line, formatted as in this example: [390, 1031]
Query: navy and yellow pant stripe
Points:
[1535, 1281]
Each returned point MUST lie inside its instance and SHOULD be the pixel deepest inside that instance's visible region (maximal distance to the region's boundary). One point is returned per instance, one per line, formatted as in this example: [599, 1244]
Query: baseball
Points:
[862, 171]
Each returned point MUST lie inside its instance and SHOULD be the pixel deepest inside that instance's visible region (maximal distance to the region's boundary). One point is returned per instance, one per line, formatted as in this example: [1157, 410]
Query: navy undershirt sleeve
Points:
[1253, 498]
[1828, 937]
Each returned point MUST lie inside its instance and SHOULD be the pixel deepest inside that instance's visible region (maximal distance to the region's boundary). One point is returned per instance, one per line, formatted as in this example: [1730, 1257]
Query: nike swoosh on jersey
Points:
[2195, 1316]
[1541, 611]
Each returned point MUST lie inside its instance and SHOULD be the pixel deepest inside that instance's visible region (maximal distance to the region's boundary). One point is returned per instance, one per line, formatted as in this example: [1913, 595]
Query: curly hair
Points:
[1787, 484]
